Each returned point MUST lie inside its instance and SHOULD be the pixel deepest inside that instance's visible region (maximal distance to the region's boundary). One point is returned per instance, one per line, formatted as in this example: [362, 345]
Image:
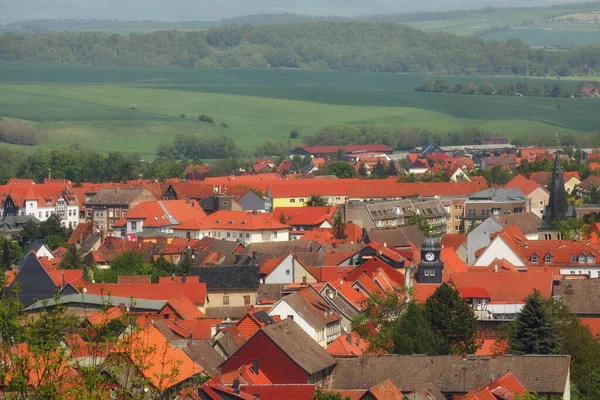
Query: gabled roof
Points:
[299, 346]
[527, 186]
[166, 212]
[349, 344]
[185, 308]
[196, 292]
[304, 215]
[242, 220]
[312, 307]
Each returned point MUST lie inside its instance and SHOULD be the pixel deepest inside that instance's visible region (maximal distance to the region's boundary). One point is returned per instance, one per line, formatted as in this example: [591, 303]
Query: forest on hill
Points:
[336, 46]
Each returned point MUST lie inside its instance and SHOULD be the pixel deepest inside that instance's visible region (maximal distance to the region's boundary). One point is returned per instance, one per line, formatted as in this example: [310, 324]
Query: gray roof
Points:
[299, 346]
[527, 222]
[218, 278]
[120, 196]
[98, 300]
[498, 194]
[398, 237]
[541, 374]
[10, 223]
[313, 308]
[204, 354]
[581, 296]
[277, 248]
[270, 291]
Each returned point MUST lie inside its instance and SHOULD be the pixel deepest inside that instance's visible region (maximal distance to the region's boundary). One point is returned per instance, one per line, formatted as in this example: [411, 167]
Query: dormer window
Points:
[548, 258]
[581, 259]
[573, 258]
[534, 258]
[590, 259]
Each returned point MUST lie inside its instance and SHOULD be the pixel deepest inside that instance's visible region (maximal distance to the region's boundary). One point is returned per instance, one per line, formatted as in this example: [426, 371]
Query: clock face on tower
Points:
[429, 256]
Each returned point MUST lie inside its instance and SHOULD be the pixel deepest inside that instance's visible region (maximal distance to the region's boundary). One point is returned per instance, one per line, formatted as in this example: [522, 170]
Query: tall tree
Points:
[534, 332]
[72, 258]
[420, 222]
[362, 170]
[339, 227]
[10, 252]
[379, 170]
[452, 320]
[341, 169]
[392, 169]
[413, 334]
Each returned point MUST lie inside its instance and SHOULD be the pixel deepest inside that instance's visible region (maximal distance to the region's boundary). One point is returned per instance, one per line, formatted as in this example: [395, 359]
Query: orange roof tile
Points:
[305, 215]
[164, 366]
[344, 347]
[246, 375]
[242, 220]
[185, 308]
[166, 212]
[527, 186]
[386, 390]
[196, 292]
[105, 316]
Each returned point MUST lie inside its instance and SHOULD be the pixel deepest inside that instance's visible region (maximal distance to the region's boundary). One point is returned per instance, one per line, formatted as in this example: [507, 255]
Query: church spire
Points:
[557, 209]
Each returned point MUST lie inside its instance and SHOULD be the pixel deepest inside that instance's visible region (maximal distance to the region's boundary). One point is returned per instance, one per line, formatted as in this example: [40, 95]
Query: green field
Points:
[91, 105]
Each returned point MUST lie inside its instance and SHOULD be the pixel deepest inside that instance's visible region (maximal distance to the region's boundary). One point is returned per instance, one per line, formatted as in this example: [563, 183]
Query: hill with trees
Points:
[336, 46]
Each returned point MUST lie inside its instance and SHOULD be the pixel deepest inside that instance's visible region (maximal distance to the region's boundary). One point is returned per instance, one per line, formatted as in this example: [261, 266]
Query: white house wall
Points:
[498, 249]
[283, 310]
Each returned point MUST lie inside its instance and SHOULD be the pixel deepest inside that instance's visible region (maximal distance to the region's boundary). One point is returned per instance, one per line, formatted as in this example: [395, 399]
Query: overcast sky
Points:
[173, 10]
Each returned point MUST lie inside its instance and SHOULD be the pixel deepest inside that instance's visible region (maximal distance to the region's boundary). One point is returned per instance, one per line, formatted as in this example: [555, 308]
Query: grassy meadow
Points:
[92, 105]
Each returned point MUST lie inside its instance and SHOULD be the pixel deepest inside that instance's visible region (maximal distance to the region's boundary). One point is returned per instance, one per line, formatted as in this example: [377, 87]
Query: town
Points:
[340, 272]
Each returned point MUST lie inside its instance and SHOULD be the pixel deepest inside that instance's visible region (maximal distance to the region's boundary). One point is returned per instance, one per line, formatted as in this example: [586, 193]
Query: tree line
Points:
[504, 89]
[337, 46]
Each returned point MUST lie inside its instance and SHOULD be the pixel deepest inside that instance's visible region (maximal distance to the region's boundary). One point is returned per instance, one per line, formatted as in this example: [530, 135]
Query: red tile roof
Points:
[386, 390]
[473, 293]
[185, 308]
[278, 392]
[453, 240]
[165, 366]
[196, 292]
[593, 324]
[371, 267]
[527, 186]
[242, 220]
[103, 317]
[342, 347]
[166, 212]
[246, 376]
[307, 216]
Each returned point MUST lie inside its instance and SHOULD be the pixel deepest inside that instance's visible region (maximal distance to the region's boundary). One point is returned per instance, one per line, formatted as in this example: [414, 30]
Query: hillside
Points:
[337, 46]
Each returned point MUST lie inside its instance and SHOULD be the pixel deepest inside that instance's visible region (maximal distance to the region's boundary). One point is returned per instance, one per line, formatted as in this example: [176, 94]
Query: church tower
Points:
[430, 268]
[557, 208]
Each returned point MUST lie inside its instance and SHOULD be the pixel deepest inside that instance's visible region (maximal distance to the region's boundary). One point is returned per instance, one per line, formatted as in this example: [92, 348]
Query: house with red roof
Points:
[285, 269]
[243, 226]
[350, 344]
[507, 387]
[285, 354]
[571, 257]
[312, 312]
[331, 151]
[158, 216]
[41, 201]
[303, 219]
[537, 195]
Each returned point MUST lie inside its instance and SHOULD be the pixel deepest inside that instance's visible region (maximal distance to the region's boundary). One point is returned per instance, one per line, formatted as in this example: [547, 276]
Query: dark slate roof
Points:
[541, 374]
[398, 237]
[85, 299]
[299, 346]
[263, 317]
[10, 223]
[205, 355]
[277, 248]
[235, 277]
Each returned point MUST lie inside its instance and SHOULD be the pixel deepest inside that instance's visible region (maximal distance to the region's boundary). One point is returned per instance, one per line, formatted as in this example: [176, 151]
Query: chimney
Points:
[349, 337]
[236, 386]
[238, 258]
[63, 279]
[122, 307]
[304, 280]
[183, 278]
[255, 366]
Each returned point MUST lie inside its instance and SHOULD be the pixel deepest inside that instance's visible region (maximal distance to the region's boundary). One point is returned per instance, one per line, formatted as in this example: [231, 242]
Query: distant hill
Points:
[336, 46]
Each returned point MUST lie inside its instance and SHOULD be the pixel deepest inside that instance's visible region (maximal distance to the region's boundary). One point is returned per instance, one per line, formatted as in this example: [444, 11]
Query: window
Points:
[534, 258]
[291, 317]
[457, 217]
[287, 272]
[432, 272]
[241, 235]
[589, 259]
[246, 300]
[541, 202]
[301, 200]
[275, 234]
[338, 199]
[573, 258]
[292, 200]
[495, 211]
[457, 207]
[47, 214]
[548, 258]
[457, 228]
[247, 235]
[225, 300]
[110, 214]
[581, 259]
[228, 234]
[572, 272]
[117, 214]
[426, 272]
[134, 225]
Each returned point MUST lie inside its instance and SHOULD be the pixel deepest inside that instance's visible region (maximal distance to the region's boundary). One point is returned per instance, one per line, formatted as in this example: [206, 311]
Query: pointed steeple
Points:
[557, 208]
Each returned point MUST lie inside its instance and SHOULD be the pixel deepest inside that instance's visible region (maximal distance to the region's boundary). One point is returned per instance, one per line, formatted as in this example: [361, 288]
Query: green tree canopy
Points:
[316, 201]
[72, 258]
[420, 222]
[341, 169]
[10, 252]
[452, 320]
[534, 332]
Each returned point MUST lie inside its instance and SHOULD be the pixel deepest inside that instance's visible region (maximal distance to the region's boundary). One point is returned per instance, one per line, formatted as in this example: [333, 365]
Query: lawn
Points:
[92, 106]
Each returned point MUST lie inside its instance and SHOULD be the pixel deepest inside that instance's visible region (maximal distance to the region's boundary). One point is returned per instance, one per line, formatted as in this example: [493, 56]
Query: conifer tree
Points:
[392, 170]
[534, 332]
[452, 320]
